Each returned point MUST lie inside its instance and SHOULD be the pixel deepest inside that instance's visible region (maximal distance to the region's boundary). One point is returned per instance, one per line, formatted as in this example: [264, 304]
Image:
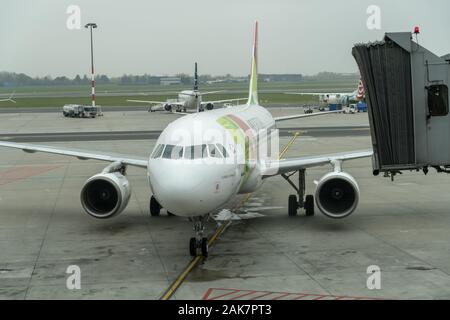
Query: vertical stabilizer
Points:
[253, 90]
[195, 78]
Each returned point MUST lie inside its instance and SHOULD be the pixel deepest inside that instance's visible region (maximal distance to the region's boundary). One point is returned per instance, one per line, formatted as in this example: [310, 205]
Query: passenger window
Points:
[158, 151]
[438, 100]
[222, 150]
[213, 152]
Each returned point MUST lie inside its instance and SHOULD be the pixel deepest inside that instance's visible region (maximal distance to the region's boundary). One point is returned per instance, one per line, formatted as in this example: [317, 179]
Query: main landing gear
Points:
[155, 208]
[299, 200]
[198, 245]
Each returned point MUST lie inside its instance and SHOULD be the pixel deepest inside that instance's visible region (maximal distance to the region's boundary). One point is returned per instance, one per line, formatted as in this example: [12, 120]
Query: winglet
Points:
[253, 90]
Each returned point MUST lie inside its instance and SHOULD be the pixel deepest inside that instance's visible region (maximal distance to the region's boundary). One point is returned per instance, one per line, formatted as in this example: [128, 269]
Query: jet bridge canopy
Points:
[407, 97]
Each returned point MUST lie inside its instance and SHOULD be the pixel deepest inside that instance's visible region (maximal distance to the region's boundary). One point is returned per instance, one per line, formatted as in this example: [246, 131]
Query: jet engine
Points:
[337, 195]
[168, 107]
[105, 195]
[209, 106]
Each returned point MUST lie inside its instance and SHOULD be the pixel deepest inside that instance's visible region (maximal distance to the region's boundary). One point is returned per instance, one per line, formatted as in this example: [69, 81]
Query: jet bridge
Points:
[408, 104]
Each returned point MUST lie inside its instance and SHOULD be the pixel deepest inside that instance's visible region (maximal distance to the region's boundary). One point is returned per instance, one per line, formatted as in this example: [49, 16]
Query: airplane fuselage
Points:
[188, 185]
[191, 99]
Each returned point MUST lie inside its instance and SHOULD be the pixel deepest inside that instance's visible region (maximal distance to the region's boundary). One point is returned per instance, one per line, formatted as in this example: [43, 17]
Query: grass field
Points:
[116, 95]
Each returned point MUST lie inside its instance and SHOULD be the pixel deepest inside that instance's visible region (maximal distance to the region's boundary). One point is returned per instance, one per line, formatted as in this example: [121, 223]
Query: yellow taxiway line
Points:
[195, 261]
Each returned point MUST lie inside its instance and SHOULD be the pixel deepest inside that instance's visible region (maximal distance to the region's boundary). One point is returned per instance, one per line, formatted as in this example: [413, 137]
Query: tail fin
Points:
[195, 78]
[253, 90]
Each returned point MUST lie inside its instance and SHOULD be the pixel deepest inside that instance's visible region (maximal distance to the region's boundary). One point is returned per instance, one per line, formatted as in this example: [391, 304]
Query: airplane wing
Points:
[282, 166]
[147, 102]
[224, 101]
[319, 93]
[306, 115]
[211, 92]
[181, 113]
[10, 99]
[140, 162]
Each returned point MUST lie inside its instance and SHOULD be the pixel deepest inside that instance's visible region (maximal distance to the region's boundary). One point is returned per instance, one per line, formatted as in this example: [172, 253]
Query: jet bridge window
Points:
[196, 152]
[438, 100]
[158, 151]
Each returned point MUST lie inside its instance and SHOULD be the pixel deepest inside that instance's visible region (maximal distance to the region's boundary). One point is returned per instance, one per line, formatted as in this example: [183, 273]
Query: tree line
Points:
[11, 79]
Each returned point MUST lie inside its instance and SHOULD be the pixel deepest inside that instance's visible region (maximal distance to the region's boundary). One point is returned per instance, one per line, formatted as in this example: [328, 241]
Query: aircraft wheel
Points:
[205, 247]
[292, 205]
[155, 207]
[309, 205]
[193, 247]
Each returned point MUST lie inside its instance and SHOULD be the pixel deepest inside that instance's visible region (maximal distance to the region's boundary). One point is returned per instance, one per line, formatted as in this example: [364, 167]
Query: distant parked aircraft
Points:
[188, 100]
[10, 99]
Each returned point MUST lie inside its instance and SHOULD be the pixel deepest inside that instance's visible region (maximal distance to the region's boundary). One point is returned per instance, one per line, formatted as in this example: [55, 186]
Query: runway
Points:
[345, 131]
[127, 108]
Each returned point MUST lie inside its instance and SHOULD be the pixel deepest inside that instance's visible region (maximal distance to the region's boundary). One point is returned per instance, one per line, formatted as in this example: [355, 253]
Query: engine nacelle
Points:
[168, 107]
[105, 195]
[209, 106]
[337, 195]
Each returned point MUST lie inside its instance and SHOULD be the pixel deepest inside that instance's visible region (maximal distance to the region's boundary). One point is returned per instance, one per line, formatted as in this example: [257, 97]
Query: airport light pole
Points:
[92, 26]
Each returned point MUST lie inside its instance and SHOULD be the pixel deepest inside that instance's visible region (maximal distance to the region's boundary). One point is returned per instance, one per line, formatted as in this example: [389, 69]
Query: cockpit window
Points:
[177, 152]
[172, 152]
[213, 151]
[196, 152]
[167, 154]
[158, 151]
[222, 150]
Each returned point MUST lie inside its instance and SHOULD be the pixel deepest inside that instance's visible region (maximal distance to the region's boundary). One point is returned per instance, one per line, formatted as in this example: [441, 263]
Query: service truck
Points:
[79, 111]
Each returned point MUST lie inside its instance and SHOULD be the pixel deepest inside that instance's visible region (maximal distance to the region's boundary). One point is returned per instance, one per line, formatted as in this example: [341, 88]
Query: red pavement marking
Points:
[262, 296]
[301, 296]
[226, 294]
[219, 293]
[24, 172]
[244, 295]
[281, 296]
[207, 293]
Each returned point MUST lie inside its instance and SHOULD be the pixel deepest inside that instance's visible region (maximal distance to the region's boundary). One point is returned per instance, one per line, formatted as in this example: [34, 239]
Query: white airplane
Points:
[202, 161]
[187, 100]
[337, 98]
[10, 99]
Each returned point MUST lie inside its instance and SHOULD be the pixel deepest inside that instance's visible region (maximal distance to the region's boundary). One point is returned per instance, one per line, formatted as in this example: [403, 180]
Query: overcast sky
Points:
[167, 36]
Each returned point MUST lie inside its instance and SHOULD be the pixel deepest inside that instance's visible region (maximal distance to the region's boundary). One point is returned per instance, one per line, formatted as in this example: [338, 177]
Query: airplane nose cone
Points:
[189, 190]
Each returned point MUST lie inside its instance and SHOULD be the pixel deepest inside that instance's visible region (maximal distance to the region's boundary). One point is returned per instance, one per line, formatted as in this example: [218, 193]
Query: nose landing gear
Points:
[302, 201]
[198, 245]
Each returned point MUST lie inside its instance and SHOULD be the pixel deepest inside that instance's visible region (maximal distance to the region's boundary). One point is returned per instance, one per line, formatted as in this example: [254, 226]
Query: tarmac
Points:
[402, 227]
